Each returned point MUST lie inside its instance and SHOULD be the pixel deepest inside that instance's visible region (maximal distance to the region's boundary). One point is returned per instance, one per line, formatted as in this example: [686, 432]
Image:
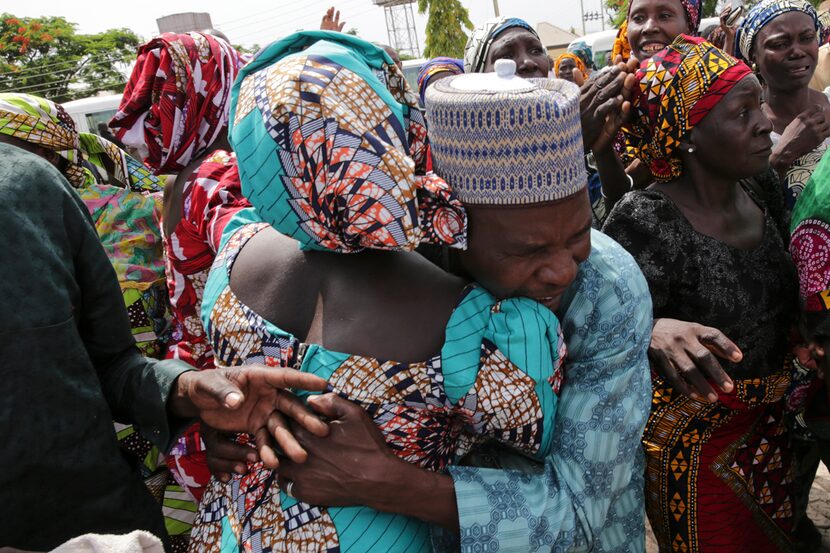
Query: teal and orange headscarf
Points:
[678, 87]
[331, 147]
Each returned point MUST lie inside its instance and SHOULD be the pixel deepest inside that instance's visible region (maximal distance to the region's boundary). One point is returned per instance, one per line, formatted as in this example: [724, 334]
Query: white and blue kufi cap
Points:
[498, 139]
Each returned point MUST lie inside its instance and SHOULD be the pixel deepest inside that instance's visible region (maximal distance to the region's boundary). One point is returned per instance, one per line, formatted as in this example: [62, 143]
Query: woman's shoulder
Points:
[642, 211]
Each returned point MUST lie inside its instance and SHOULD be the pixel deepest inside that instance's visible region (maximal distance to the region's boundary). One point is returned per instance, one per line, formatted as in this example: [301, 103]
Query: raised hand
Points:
[331, 21]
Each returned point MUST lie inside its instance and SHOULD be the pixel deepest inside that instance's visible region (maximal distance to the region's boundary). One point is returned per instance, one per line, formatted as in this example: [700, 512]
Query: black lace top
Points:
[750, 295]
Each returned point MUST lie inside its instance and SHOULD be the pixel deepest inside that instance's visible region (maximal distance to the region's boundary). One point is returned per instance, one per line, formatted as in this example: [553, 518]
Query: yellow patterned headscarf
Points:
[44, 123]
[677, 88]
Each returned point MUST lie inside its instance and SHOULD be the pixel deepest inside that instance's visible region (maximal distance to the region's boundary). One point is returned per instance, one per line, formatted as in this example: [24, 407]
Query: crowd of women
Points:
[540, 311]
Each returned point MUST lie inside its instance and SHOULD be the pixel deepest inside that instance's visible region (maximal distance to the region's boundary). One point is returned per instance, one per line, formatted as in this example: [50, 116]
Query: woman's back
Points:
[387, 305]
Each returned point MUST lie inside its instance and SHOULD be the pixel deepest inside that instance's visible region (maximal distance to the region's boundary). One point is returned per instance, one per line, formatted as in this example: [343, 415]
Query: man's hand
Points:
[252, 399]
[684, 353]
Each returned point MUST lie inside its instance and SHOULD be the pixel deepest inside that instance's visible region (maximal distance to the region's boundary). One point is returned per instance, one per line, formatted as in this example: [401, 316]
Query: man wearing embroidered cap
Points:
[530, 228]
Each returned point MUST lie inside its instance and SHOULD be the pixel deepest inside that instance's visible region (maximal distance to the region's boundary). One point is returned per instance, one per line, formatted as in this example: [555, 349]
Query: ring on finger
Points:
[290, 488]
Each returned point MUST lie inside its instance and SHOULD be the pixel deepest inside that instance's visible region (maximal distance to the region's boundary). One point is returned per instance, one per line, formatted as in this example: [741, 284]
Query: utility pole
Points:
[496, 7]
[581, 15]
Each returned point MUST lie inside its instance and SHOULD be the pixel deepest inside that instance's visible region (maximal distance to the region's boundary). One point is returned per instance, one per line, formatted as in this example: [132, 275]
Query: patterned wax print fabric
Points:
[667, 106]
[567, 55]
[435, 66]
[431, 413]
[762, 13]
[210, 197]
[585, 53]
[176, 102]
[621, 45]
[121, 168]
[44, 123]
[331, 144]
[810, 240]
[478, 45]
[715, 467]
[588, 495]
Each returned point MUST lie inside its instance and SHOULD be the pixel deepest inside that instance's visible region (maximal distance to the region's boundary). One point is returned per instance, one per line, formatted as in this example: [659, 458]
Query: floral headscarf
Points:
[478, 45]
[329, 141]
[177, 99]
[435, 66]
[568, 55]
[678, 87]
[762, 13]
[810, 241]
[44, 123]
[623, 48]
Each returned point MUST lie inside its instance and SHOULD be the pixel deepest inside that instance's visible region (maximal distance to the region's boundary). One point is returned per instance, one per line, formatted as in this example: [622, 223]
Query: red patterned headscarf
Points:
[177, 99]
[678, 87]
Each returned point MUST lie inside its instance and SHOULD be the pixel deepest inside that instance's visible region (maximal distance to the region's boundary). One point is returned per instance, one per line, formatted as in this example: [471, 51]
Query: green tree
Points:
[46, 57]
[445, 27]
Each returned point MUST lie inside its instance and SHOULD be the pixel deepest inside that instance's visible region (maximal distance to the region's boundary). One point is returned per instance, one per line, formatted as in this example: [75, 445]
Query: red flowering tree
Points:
[44, 56]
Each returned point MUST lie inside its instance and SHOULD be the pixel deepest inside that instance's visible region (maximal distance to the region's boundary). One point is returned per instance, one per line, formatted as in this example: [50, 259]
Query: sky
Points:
[261, 21]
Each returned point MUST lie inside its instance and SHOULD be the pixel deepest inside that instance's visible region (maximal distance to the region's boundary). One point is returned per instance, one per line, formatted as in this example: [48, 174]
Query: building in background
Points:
[184, 22]
[554, 39]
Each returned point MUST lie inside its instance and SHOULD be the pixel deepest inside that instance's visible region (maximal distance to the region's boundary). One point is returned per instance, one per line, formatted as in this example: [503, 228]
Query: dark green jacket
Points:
[68, 368]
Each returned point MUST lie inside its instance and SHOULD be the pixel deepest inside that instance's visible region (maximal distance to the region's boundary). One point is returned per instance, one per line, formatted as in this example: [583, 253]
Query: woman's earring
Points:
[754, 67]
[691, 149]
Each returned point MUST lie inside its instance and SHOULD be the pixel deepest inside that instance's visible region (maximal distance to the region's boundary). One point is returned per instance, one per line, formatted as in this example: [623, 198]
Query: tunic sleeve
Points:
[135, 388]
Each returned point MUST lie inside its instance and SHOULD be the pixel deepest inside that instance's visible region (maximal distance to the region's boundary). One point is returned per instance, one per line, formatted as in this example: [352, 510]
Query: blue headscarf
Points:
[478, 45]
[764, 12]
[435, 66]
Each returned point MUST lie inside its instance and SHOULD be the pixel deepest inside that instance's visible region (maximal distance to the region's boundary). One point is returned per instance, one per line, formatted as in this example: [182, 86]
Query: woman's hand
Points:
[684, 353]
[331, 21]
[224, 456]
[801, 136]
[604, 104]
[728, 30]
[252, 399]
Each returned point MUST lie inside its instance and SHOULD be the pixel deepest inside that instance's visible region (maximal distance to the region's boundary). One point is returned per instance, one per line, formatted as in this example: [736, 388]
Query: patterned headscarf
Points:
[762, 13]
[581, 49]
[478, 45]
[176, 101]
[678, 87]
[44, 123]
[577, 61]
[623, 48]
[128, 170]
[329, 140]
[435, 66]
[810, 241]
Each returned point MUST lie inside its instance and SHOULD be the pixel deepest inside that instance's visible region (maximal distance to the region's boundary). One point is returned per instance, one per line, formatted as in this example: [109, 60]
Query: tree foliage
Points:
[445, 27]
[46, 57]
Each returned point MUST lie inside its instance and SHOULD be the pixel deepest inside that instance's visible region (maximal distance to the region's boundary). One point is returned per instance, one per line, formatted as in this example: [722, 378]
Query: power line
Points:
[262, 29]
[315, 9]
[101, 61]
[29, 87]
[102, 55]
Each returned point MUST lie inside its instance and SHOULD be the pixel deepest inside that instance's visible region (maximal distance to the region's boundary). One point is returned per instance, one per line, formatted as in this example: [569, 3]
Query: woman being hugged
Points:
[710, 249]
